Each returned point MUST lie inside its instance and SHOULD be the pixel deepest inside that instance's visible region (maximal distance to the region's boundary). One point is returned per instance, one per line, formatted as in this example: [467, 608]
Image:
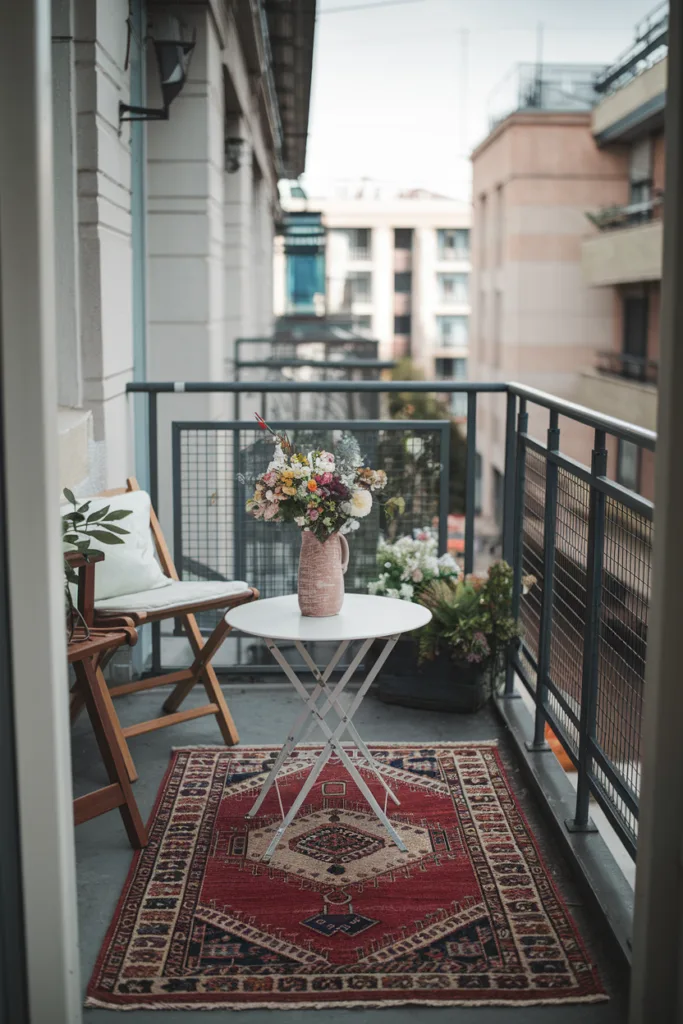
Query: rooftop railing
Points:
[585, 538]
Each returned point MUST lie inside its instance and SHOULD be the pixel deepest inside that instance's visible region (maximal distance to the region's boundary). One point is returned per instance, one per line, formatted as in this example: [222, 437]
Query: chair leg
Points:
[116, 727]
[202, 667]
[93, 688]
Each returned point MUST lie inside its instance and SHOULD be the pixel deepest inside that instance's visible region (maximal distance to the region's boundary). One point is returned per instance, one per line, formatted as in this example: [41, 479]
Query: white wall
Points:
[104, 225]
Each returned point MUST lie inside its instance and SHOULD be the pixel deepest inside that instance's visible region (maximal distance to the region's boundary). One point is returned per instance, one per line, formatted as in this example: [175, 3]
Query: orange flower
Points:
[312, 485]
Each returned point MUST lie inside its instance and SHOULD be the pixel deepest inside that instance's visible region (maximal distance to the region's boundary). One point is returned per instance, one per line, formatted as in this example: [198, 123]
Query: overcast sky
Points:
[401, 93]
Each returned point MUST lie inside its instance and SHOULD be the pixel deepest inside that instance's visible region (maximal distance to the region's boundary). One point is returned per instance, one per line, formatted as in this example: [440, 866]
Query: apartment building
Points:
[536, 319]
[399, 264]
[622, 256]
[172, 123]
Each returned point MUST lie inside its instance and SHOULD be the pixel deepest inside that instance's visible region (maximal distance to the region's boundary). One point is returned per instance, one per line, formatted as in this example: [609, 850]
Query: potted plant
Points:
[458, 658]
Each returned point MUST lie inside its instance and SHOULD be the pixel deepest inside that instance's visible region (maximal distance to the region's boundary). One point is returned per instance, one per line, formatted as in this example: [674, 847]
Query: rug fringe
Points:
[317, 746]
[355, 1004]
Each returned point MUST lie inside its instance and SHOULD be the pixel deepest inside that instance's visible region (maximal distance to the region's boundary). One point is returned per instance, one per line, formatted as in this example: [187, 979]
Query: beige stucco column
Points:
[658, 926]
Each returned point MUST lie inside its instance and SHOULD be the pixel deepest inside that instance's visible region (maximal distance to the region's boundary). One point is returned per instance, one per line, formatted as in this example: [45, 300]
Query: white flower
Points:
[406, 592]
[359, 504]
[387, 565]
[269, 495]
[299, 520]
[392, 593]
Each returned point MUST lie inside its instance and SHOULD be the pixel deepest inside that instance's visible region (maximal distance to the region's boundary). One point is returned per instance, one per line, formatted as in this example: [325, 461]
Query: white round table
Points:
[363, 617]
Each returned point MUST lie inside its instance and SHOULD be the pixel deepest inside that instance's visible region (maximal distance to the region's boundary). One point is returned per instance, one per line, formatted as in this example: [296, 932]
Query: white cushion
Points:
[176, 595]
[131, 567]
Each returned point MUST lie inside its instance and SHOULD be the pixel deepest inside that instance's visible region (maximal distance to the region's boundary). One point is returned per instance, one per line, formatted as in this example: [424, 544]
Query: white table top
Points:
[362, 616]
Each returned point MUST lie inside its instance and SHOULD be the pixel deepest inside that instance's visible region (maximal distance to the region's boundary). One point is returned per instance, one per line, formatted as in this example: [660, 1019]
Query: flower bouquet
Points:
[408, 564]
[325, 494]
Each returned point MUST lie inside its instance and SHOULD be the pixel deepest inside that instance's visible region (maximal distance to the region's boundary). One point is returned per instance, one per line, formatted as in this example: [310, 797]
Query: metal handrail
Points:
[611, 425]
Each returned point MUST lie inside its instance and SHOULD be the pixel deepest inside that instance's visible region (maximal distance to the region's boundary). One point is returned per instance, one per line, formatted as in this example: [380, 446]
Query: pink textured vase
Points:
[321, 574]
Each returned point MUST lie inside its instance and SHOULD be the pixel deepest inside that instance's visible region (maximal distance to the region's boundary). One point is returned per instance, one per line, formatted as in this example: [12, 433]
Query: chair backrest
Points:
[162, 549]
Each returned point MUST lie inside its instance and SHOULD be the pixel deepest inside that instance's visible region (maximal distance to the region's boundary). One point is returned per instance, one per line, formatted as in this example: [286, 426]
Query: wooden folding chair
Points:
[84, 654]
[177, 605]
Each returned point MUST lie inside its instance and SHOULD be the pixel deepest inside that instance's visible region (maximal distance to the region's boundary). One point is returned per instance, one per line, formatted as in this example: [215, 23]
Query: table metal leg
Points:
[333, 744]
[332, 702]
[299, 726]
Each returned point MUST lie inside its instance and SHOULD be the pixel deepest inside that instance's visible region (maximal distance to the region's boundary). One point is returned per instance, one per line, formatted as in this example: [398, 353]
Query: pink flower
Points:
[417, 576]
[326, 478]
[257, 511]
[271, 511]
[313, 514]
[270, 478]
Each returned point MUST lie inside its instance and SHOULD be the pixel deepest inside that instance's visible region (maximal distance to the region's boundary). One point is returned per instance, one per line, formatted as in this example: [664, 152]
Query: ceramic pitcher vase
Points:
[321, 574]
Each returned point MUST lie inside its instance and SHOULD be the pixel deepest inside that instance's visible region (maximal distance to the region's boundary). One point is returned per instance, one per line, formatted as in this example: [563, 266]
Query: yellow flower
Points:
[289, 490]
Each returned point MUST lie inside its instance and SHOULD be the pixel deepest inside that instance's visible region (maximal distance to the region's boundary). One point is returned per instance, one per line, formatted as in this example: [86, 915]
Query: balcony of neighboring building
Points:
[628, 246]
[634, 87]
[622, 386]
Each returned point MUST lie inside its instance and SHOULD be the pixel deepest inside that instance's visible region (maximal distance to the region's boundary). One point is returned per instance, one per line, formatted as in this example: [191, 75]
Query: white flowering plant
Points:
[321, 492]
[409, 564]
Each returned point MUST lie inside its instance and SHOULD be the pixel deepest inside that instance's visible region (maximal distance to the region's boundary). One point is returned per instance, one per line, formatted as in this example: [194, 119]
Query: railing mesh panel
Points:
[532, 556]
[569, 601]
[623, 641]
[216, 469]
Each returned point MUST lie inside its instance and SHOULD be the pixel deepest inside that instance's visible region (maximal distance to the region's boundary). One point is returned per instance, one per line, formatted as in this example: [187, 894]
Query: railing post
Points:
[546, 621]
[581, 821]
[471, 478]
[509, 494]
[444, 486]
[153, 429]
[518, 532]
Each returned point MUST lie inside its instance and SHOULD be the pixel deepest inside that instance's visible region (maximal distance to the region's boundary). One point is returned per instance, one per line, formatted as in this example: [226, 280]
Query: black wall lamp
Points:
[233, 154]
[173, 60]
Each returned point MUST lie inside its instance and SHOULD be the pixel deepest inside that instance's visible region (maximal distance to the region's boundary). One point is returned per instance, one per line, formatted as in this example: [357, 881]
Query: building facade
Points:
[567, 232]
[165, 224]
[399, 265]
[622, 257]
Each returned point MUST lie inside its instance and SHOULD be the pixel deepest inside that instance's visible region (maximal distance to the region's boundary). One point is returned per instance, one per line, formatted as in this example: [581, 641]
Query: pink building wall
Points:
[534, 318]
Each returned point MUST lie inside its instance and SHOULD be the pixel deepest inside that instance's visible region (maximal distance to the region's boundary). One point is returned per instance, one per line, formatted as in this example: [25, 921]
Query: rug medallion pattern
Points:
[469, 914]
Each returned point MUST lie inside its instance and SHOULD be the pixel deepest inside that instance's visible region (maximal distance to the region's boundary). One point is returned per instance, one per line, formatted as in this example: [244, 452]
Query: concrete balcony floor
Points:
[104, 856]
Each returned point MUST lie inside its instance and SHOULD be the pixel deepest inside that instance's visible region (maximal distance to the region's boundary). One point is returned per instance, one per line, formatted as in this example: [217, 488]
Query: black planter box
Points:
[439, 685]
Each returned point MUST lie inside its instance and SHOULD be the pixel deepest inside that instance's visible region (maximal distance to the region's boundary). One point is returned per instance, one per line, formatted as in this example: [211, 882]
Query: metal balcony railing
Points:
[620, 364]
[586, 539]
[628, 215]
[648, 47]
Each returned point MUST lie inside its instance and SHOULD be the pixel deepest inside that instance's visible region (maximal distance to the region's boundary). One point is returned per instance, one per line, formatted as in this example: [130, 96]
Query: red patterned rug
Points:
[340, 916]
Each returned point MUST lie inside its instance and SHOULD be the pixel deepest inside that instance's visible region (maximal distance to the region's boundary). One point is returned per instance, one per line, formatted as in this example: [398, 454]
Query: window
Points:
[478, 472]
[403, 283]
[452, 331]
[497, 328]
[628, 465]
[635, 316]
[363, 324]
[453, 287]
[359, 286]
[403, 238]
[358, 241]
[640, 175]
[499, 226]
[402, 324]
[450, 369]
[453, 243]
[459, 404]
[482, 228]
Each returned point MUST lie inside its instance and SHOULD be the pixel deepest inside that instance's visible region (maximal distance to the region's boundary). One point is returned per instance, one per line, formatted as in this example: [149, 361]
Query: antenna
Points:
[539, 64]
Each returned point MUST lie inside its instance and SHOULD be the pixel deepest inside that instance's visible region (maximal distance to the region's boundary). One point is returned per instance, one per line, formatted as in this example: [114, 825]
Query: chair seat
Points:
[177, 594]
